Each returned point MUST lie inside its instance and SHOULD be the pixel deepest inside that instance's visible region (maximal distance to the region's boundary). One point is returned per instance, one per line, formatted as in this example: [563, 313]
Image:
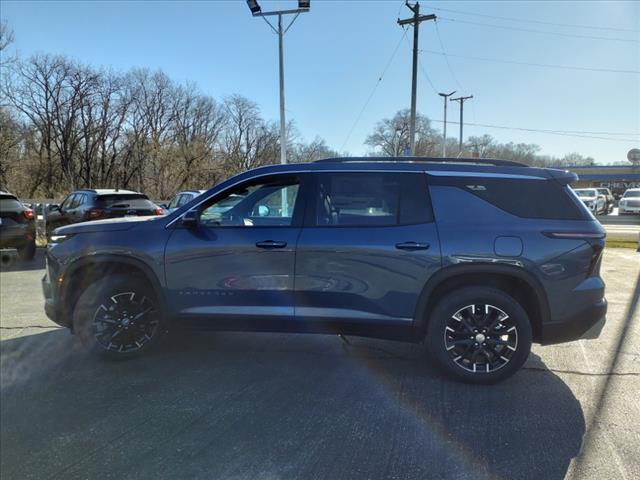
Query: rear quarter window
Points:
[526, 198]
[8, 203]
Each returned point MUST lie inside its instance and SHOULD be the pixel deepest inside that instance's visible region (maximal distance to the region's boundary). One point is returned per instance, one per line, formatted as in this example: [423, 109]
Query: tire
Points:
[118, 317]
[27, 251]
[471, 340]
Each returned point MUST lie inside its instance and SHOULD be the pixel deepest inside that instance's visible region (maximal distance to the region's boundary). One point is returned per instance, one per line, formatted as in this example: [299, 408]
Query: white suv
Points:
[630, 202]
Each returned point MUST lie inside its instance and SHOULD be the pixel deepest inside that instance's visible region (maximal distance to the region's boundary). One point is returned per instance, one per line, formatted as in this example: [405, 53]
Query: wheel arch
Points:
[520, 284]
[86, 270]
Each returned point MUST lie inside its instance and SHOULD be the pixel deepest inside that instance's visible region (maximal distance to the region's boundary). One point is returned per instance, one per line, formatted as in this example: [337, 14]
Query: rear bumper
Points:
[586, 324]
[16, 236]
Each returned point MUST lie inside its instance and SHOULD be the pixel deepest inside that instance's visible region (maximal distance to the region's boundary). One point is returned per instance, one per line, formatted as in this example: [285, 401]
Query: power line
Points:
[424, 72]
[373, 91]
[505, 27]
[531, 64]
[551, 132]
[539, 22]
[455, 79]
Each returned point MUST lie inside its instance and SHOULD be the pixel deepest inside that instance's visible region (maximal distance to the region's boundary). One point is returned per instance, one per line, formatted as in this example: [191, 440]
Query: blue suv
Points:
[475, 258]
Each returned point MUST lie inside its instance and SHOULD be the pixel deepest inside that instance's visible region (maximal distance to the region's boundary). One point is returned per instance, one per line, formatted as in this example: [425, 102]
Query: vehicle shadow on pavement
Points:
[18, 265]
[227, 405]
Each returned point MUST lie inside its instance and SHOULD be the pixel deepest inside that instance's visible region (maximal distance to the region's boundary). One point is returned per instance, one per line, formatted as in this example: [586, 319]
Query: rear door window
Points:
[362, 199]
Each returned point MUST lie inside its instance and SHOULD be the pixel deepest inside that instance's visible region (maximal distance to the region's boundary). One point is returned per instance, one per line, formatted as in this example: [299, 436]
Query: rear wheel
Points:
[118, 317]
[27, 251]
[479, 335]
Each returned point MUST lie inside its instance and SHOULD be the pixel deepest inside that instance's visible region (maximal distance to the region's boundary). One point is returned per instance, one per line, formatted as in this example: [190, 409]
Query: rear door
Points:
[368, 247]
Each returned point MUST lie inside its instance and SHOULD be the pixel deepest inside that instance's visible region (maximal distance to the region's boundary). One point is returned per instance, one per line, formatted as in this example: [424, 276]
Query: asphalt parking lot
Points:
[235, 406]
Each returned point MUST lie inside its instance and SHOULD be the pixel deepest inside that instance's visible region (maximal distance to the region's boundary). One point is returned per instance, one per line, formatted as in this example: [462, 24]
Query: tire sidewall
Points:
[458, 299]
[91, 299]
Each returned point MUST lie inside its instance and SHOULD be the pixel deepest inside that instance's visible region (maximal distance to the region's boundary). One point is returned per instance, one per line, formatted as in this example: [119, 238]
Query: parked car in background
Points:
[180, 199]
[630, 202]
[98, 204]
[592, 199]
[609, 199]
[477, 258]
[17, 226]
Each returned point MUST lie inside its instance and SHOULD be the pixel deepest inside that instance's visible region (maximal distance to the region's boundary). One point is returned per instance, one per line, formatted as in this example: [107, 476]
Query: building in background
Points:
[617, 178]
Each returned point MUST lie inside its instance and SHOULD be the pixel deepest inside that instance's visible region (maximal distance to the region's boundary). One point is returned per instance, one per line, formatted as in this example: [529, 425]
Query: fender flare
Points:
[112, 258]
[453, 271]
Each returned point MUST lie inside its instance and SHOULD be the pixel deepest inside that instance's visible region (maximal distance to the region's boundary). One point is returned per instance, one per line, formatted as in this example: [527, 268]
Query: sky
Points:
[335, 55]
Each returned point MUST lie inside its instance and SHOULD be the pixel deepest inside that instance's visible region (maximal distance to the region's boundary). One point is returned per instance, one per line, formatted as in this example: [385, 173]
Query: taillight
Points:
[576, 235]
[94, 213]
[159, 211]
[596, 257]
[28, 214]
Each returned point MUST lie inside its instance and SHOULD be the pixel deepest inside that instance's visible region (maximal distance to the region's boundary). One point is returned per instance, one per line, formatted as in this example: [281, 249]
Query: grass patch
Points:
[622, 244]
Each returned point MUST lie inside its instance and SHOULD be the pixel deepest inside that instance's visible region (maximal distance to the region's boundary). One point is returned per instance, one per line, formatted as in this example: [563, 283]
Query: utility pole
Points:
[444, 134]
[415, 22]
[461, 100]
[256, 11]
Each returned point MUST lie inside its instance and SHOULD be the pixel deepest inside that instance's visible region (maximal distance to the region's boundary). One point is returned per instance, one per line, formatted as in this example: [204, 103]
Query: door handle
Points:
[412, 246]
[271, 244]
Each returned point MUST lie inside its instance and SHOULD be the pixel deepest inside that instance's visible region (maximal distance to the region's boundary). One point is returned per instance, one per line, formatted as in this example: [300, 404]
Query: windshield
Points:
[582, 193]
[631, 194]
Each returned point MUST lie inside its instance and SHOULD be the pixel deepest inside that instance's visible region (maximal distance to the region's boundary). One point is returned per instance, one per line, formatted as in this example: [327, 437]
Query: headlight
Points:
[623, 203]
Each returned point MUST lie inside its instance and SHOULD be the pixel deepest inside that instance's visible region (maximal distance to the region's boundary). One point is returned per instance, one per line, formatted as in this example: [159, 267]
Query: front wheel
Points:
[479, 335]
[118, 317]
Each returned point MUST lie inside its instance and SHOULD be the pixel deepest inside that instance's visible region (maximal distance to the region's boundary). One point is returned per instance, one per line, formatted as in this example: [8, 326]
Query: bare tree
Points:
[248, 141]
[6, 38]
[391, 136]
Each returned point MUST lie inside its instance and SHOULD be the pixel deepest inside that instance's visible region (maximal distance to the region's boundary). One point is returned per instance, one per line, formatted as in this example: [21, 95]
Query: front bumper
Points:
[628, 210]
[586, 324]
[51, 304]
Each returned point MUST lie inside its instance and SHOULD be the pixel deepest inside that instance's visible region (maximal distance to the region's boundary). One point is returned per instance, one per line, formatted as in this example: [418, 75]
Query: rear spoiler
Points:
[565, 177]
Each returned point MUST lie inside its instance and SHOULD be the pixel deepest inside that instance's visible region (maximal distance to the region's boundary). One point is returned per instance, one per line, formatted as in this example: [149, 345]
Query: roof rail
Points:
[476, 161]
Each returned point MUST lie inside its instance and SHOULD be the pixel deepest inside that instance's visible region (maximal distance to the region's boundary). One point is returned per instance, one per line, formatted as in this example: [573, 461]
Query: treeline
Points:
[391, 136]
[65, 125]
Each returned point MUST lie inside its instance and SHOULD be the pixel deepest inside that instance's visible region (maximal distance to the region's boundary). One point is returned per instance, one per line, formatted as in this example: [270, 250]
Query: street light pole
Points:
[444, 134]
[283, 123]
[256, 11]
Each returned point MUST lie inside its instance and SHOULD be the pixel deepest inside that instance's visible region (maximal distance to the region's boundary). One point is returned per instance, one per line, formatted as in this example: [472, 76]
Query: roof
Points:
[432, 166]
[448, 160]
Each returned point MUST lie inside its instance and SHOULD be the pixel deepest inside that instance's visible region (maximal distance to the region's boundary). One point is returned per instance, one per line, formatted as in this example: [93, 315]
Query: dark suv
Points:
[97, 204]
[17, 226]
[476, 258]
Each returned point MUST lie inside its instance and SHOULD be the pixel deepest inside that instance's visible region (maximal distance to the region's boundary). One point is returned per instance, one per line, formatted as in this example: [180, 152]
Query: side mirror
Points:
[53, 207]
[190, 219]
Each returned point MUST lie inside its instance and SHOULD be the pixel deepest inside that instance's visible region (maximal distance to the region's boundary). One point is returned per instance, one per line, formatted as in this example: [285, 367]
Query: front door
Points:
[235, 267]
[368, 248]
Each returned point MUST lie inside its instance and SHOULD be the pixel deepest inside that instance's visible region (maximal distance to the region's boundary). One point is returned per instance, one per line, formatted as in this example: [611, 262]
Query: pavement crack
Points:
[29, 326]
[586, 374]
